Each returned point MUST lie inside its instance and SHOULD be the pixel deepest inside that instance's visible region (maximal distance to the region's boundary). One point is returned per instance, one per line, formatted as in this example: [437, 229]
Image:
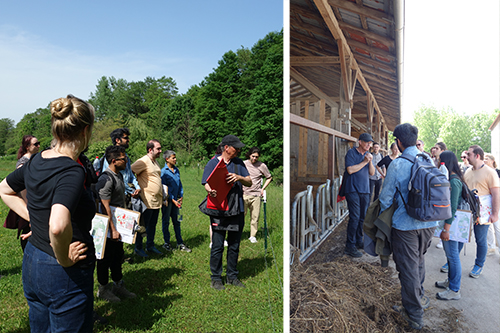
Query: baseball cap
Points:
[366, 137]
[233, 141]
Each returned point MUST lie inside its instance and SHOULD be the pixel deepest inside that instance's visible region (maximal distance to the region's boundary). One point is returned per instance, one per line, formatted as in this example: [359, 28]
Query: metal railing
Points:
[308, 231]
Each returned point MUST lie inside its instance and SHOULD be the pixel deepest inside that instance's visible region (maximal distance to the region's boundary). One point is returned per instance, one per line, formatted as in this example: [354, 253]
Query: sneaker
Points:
[440, 244]
[414, 324]
[167, 246]
[210, 246]
[353, 252]
[476, 271]
[448, 295]
[105, 293]
[444, 268]
[442, 284]
[154, 250]
[183, 248]
[225, 243]
[120, 290]
[235, 282]
[491, 252]
[425, 302]
[252, 240]
[141, 253]
[217, 284]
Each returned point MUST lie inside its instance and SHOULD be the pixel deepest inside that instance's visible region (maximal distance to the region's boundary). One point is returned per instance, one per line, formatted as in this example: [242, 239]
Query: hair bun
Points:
[61, 108]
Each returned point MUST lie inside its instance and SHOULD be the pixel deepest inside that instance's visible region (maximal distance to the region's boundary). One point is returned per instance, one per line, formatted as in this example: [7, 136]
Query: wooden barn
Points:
[346, 77]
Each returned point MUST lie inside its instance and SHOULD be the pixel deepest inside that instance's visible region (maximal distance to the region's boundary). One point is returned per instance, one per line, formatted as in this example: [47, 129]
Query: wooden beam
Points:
[314, 61]
[302, 122]
[370, 49]
[311, 87]
[368, 34]
[344, 72]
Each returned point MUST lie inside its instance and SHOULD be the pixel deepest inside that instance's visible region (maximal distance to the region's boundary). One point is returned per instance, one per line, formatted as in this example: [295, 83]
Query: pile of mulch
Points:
[335, 293]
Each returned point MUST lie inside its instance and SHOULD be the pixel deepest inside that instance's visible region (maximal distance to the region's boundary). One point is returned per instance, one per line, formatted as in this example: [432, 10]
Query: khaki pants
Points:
[252, 203]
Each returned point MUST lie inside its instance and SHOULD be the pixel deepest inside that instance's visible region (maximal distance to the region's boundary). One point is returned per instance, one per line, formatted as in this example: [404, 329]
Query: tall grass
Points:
[173, 290]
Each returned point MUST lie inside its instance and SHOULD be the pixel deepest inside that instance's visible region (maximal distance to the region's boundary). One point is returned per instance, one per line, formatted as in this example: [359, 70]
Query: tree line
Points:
[457, 131]
[242, 96]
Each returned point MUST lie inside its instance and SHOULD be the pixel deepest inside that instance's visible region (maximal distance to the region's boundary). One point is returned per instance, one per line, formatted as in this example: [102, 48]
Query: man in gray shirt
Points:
[376, 179]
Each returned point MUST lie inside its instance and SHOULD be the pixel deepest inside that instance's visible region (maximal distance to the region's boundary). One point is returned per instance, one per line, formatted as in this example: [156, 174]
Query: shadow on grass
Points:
[11, 271]
[252, 267]
[141, 313]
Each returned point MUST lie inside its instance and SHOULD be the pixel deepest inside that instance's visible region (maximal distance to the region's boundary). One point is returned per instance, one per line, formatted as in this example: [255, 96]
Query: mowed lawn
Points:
[173, 290]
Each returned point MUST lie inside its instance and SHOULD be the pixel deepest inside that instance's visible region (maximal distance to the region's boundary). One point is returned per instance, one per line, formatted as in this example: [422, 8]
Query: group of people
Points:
[54, 191]
[410, 238]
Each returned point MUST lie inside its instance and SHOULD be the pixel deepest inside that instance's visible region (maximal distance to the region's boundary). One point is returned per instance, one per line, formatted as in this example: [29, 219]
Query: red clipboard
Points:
[217, 181]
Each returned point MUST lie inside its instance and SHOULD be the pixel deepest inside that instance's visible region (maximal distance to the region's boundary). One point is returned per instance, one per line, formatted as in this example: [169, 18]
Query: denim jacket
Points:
[398, 176]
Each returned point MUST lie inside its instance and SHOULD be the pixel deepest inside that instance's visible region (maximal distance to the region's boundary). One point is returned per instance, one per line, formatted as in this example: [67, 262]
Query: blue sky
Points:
[53, 48]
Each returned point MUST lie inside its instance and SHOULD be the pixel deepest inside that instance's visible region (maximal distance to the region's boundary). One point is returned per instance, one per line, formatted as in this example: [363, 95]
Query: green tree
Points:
[6, 129]
[429, 121]
[457, 133]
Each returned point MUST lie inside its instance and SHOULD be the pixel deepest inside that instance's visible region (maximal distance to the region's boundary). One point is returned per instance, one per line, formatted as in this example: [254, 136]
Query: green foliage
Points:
[457, 131]
[6, 128]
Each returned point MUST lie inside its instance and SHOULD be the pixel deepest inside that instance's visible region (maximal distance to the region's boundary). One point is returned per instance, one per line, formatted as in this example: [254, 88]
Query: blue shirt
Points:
[128, 175]
[173, 181]
[398, 176]
[358, 181]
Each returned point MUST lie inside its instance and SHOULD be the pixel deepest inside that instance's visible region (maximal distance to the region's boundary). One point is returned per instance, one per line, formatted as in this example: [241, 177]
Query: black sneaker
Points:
[236, 283]
[167, 246]
[353, 252]
[217, 284]
[413, 324]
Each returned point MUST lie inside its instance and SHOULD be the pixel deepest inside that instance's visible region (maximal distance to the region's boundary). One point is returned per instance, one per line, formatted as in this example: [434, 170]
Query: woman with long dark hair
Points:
[451, 248]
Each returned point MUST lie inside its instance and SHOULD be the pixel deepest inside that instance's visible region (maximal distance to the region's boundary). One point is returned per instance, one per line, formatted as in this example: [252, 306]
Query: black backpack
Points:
[429, 191]
[469, 200]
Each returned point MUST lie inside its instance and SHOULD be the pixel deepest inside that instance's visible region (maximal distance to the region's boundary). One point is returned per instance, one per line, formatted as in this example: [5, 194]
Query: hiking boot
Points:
[444, 268]
[353, 252]
[105, 293]
[425, 302]
[476, 271]
[417, 325]
[217, 284]
[235, 282]
[120, 290]
[442, 284]
[167, 247]
[183, 248]
[141, 253]
[360, 246]
[448, 295]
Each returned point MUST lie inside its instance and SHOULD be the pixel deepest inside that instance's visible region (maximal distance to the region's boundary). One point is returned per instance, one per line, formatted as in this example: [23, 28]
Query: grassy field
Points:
[173, 290]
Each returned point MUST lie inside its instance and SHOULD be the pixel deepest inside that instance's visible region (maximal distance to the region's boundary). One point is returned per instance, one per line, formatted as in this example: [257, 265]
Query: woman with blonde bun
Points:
[59, 259]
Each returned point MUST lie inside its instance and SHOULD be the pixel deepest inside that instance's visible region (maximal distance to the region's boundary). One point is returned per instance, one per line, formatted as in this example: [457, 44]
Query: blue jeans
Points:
[481, 235]
[150, 217]
[60, 299]
[452, 250]
[171, 211]
[357, 204]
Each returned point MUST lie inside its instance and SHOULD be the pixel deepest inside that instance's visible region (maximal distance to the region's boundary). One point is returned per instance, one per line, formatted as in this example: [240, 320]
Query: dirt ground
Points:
[332, 292]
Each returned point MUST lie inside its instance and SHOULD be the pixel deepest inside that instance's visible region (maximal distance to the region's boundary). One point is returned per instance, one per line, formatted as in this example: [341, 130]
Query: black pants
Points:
[408, 248]
[233, 249]
[112, 261]
[377, 184]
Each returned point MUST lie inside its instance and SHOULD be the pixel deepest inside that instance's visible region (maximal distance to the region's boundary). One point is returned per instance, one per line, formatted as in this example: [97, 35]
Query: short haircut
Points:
[407, 134]
[168, 153]
[252, 151]
[478, 151]
[420, 141]
[151, 144]
[441, 145]
[375, 143]
[113, 152]
[118, 134]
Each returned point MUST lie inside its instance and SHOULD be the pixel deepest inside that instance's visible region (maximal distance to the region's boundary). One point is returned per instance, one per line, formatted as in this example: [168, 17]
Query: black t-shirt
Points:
[50, 181]
[385, 162]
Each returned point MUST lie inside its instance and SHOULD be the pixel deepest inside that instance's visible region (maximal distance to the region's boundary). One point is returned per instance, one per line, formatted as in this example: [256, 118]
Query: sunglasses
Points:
[36, 144]
[464, 156]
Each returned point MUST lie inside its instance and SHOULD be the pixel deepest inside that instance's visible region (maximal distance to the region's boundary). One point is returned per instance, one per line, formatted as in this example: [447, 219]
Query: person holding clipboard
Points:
[223, 178]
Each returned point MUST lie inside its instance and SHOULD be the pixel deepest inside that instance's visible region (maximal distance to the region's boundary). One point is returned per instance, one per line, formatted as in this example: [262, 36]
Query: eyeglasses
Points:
[120, 159]
[36, 144]
[464, 156]
[125, 138]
